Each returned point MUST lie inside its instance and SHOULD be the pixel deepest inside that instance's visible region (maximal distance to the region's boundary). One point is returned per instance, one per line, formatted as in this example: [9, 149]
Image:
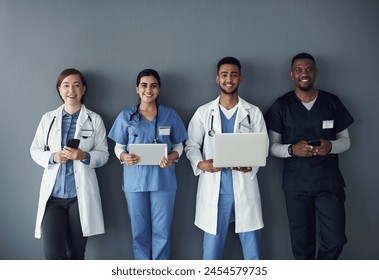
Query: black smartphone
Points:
[314, 142]
[73, 143]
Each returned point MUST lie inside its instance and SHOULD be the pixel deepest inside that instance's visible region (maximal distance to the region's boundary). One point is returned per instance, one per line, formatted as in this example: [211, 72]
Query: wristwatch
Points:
[290, 150]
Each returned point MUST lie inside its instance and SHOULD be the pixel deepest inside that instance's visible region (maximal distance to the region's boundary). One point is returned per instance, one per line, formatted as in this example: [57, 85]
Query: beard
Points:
[231, 92]
[306, 88]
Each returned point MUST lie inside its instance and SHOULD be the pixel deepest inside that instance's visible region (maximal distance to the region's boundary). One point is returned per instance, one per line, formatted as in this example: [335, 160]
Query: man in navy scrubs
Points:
[308, 127]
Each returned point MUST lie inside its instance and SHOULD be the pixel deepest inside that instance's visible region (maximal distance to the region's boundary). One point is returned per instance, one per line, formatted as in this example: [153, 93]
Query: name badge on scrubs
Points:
[164, 130]
[327, 124]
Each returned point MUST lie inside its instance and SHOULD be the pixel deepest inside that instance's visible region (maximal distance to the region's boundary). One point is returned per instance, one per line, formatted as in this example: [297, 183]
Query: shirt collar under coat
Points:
[242, 113]
[83, 116]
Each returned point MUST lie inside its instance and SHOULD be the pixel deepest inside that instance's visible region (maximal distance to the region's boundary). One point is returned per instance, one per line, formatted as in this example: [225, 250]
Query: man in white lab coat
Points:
[224, 194]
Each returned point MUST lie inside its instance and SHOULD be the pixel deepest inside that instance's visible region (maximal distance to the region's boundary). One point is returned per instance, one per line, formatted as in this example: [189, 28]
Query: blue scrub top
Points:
[130, 128]
[226, 182]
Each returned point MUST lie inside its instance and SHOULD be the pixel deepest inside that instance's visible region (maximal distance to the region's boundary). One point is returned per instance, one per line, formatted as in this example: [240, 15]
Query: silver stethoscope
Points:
[46, 147]
[212, 132]
[139, 119]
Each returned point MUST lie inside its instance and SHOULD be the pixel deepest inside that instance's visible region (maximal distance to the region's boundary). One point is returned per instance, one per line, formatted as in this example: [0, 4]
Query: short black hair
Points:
[229, 60]
[303, 55]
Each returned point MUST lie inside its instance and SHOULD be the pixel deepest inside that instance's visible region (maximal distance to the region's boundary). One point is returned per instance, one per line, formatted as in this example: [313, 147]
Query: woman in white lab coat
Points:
[69, 207]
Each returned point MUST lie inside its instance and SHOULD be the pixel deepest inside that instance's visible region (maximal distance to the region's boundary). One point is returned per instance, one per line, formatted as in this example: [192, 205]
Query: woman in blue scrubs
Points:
[149, 189]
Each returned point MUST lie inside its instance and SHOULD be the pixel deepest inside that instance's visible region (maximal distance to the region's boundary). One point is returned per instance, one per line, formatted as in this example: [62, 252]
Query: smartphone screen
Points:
[314, 142]
[73, 143]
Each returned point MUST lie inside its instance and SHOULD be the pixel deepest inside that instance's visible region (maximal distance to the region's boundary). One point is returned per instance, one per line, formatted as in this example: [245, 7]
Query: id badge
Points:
[327, 124]
[85, 133]
[164, 130]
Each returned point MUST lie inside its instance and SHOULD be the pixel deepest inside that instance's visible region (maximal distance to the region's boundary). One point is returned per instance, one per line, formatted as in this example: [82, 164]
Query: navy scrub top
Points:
[328, 116]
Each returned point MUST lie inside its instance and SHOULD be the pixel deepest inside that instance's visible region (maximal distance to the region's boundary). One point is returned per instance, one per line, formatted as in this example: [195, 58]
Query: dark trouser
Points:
[326, 208]
[61, 230]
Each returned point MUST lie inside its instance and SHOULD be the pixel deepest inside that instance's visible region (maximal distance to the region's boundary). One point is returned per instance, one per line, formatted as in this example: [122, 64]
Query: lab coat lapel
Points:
[55, 138]
[83, 116]
[215, 112]
[242, 113]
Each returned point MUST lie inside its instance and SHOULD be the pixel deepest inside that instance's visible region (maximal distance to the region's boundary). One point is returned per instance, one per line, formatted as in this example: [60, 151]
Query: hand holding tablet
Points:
[149, 154]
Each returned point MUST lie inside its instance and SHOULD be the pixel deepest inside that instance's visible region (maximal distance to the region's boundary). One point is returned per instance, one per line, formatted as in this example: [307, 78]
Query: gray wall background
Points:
[111, 41]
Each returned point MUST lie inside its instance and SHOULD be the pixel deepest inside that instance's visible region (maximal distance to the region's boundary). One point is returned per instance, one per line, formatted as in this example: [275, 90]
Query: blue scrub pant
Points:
[324, 208]
[213, 245]
[151, 217]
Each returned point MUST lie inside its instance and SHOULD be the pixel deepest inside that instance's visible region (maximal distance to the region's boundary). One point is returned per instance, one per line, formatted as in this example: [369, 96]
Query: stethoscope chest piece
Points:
[211, 132]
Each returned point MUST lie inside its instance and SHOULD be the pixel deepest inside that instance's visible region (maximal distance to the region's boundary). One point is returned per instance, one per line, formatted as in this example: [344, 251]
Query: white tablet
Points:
[150, 154]
[240, 149]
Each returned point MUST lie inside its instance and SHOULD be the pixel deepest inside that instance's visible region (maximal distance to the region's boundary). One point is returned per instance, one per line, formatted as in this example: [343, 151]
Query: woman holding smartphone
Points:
[69, 207]
[149, 189]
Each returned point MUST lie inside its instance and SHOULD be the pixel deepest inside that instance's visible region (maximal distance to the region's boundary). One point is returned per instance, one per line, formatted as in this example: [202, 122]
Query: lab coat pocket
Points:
[86, 180]
[86, 143]
[243, 128]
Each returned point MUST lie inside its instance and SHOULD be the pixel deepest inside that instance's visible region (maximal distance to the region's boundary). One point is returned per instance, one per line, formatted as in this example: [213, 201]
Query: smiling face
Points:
[304, 73]
[148, 89]
[72, 90]
[229, 78]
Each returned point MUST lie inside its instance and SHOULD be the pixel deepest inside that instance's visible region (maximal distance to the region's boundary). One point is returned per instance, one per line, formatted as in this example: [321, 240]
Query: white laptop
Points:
[150, 154]
[240, 149]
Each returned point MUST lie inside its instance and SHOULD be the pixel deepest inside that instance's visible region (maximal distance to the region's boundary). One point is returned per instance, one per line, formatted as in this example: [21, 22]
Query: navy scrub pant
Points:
[324, 208]
[61, 230]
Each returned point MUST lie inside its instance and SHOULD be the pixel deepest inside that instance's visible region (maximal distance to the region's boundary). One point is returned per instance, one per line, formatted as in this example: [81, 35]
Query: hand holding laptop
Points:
[207, 166]
[243, 169]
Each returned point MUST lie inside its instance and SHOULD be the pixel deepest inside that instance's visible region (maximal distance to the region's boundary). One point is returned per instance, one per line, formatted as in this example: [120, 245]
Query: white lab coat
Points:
[199, 147]
[89, 202]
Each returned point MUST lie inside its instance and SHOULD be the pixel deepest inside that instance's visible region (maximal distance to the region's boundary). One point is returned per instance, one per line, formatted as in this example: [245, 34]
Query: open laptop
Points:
[240, 149]
[150, 154]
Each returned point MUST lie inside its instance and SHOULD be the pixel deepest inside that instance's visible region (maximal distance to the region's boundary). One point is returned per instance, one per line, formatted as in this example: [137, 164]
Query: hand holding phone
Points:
[73, 143]
[314, 143]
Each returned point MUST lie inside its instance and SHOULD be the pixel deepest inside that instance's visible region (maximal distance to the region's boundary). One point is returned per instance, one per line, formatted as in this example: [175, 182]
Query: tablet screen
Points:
[150, 154]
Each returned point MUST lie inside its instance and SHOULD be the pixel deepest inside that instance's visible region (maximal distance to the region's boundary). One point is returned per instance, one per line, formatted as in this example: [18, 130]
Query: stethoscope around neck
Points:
[212, 132]
[139, 119]
[46, 148]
